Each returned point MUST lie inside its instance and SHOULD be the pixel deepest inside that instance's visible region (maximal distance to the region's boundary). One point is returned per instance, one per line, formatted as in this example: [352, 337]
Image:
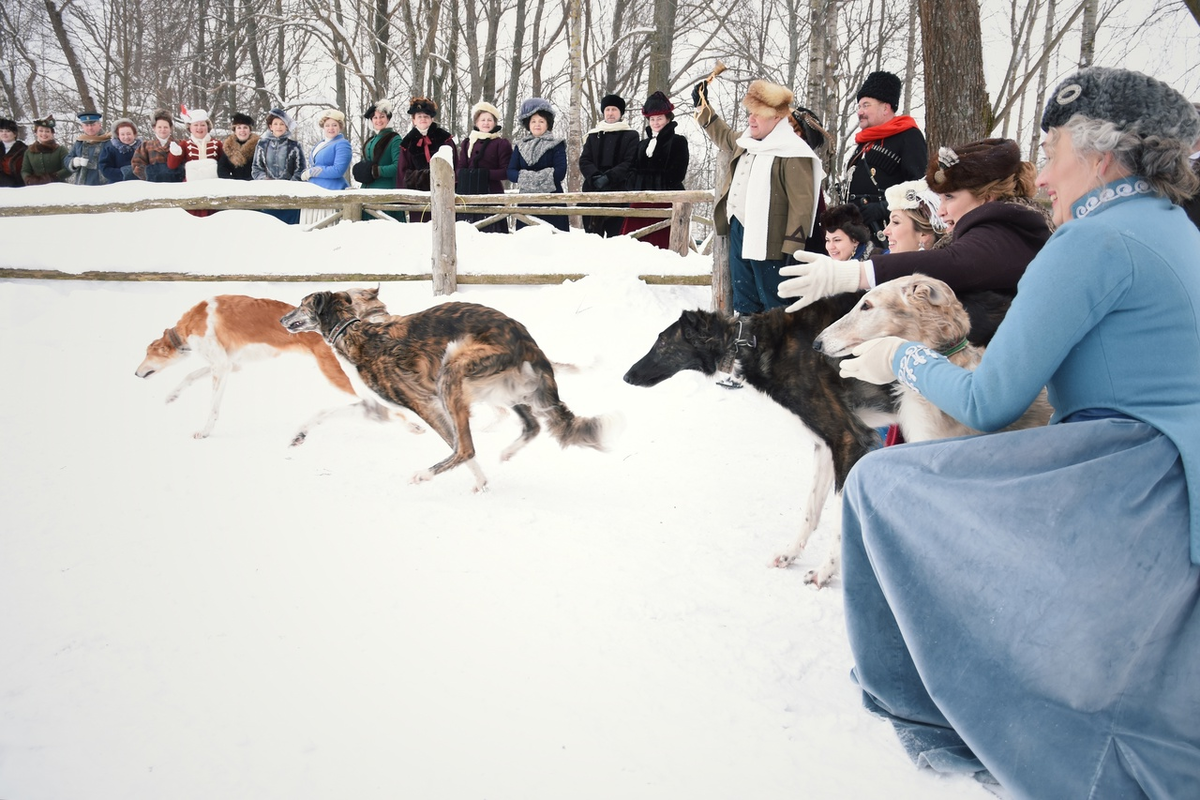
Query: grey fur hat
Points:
[280, 114]
[536, 105]
[1132, 101]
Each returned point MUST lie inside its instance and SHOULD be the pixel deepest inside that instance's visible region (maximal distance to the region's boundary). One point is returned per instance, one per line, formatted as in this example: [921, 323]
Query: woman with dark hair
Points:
[380, 162]
[43, 162]
[116, 157]
[1028, 603]
[12, 154]
[847, 237]
[483, 158]
[150, 159]
[539, 161]
[237, 150]
[661, 164]
[279, 157]
[418, 146]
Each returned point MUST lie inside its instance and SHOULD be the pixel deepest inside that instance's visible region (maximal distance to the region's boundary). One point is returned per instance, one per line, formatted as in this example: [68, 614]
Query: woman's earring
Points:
[921, 245]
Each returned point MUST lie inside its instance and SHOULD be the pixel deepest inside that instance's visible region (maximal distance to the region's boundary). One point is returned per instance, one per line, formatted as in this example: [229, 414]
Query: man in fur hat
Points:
[767, 204]
[608, 153]
[83, 159]
[891, 149]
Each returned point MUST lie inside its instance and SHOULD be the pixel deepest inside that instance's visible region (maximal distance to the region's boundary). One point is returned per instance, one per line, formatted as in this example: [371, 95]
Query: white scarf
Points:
[782, 142]
[610, 127]
[475, 135]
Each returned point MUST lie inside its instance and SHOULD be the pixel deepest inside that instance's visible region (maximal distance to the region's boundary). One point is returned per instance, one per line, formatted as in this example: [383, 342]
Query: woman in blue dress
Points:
[328, 162]
[1025, 605]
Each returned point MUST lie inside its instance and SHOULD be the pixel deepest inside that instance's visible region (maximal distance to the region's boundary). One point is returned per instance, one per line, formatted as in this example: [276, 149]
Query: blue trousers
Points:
[755, 284]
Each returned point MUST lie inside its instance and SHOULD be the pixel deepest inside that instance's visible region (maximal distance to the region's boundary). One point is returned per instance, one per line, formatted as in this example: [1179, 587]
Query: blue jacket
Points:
[87, 175]
[277, 159]
[116, 160]
[1107, 316]
[333, 157]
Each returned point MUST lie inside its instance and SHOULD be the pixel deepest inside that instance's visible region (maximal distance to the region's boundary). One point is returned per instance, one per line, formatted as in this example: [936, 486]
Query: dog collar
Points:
[954, 349]
[337, 332]
[177, 342]
[744, 337]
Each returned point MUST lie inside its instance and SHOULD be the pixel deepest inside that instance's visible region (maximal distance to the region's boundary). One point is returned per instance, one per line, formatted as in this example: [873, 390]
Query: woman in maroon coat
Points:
[482, 161]
[417, 147]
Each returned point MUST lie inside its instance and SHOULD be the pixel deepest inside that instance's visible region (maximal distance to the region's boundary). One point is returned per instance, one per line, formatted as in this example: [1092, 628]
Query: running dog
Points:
[921, 309]
[439, 361]
[774, 351]
[231, 330]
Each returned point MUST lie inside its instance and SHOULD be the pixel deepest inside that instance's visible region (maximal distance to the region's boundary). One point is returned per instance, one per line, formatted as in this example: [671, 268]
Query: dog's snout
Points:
[818, 345]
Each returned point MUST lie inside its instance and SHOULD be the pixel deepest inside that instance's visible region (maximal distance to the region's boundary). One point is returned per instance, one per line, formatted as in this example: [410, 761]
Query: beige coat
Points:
[793, 202]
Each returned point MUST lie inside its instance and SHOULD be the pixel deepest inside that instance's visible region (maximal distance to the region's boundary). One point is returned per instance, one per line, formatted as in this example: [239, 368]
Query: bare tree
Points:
[954, 84]
[54, 13]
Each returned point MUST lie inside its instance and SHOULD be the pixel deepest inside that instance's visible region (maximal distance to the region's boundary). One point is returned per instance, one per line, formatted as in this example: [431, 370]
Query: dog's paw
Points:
[200, 435]
[421, 476]
[819, 578]
[171, 398]
[784, 560]
[298, 439]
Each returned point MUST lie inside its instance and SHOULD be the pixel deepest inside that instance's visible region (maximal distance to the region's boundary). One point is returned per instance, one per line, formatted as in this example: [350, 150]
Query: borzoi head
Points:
[697, 340]
[915, 307]
[162, 353]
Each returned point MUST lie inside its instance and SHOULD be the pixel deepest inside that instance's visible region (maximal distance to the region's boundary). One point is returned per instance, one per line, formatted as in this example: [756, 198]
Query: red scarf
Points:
[426, 141]
[890, 128]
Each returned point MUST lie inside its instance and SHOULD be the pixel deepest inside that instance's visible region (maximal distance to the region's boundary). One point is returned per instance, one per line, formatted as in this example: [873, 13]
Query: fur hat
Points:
[333, 114]
[483, 107]
[379, 105]
[1134, 102]
[47, 122]
[280, 114]
[765, 98]
[162, 113]
[124, 122]
[8, 125]
[613, 100]
[882, 86]
[973, 165]
[422, 105]
[241, 119]
[849, 219]
[536, 105]
[194, 115]
[658, 103]
[88, 116]
[915, 196]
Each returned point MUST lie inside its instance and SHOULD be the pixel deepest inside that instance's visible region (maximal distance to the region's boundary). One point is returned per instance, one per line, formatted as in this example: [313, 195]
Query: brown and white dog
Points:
[921, 309]
[230, 330]
[439, 361]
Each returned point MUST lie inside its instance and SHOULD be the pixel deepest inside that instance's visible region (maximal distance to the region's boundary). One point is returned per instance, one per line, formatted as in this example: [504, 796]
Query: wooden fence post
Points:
[681, 228]
[441, 214]
[722, 288]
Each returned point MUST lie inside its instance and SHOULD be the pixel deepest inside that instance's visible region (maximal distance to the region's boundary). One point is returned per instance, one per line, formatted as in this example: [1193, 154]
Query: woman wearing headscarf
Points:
[539, 161]
[483, 158]
[1028, 603]
[661, 164]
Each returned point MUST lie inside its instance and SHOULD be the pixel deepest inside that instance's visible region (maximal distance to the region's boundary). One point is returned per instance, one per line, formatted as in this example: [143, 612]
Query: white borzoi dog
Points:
[230, 330]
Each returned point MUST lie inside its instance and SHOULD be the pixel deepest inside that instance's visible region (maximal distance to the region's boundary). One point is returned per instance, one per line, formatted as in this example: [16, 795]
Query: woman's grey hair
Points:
[1162, 161]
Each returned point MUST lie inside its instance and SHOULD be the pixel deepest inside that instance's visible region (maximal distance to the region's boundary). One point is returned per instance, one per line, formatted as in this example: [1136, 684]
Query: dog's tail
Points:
[569, 429]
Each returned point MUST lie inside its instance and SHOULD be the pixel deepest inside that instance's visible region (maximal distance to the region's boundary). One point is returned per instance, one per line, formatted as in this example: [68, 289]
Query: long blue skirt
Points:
[1023, 603]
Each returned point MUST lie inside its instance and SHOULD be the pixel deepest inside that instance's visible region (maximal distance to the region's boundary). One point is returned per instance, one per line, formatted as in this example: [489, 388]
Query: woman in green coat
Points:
[377, 169]
[44, 159]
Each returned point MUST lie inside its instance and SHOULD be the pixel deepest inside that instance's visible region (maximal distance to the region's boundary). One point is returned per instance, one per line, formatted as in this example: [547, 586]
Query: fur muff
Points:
[765, 98]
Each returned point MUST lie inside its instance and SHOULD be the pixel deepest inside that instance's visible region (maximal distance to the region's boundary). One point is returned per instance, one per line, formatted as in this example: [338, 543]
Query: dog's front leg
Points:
[186, 382]
[219, 373]
[820, 488]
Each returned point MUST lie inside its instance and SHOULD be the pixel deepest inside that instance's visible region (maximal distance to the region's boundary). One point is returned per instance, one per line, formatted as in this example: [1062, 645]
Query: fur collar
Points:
[437, 137]
[240, 153]
[38, 147]
[97, 139]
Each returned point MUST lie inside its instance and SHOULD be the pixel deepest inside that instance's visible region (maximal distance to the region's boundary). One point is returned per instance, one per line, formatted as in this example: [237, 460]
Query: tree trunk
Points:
[661, 45]
[956, 101]
[86, 102]
[1087, 34]
[1035, 136]
[514, 75]
[575, 123]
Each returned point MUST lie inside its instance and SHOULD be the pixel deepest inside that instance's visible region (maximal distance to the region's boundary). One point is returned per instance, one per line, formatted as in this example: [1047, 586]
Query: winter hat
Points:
[767, 99]
[657, 103]
[536, 105]
[379, 105]
[915, 196]
[973, 165]
[422, 105]
[882, 86]
[241, 119]
[809, 127]
[613, 100]
[162, 113]
[123, 122]
[333, 114]
[195, 115]
[484, 107]
[48, 122]
[8, 125]
[849, 219]
[1134, 102]
[88, 116]
[279, 113]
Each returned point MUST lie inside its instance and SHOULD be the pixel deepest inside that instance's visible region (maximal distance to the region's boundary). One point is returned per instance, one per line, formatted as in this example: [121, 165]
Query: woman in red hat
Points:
[661, 164]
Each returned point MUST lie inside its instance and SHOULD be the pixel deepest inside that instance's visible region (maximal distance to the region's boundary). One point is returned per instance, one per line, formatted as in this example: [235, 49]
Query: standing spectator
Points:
[279, 157]
[237, 150]
[43, 162]
[847, 237]
[767, 205]
[197, 154]
[891, 149]
[418, 146]
[605, 159]
[483, 158]
[661, 164]
[150, 159]
[913, 220]
[12, 155]
[116, 157]
[381, 154]
[539, 161]
[83, 159]
[328, 162]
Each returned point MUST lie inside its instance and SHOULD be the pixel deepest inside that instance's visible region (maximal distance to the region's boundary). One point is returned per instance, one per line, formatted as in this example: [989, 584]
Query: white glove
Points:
[872, 360]
[79, 161]
[819, 276]
[311, 172]
[175, 149]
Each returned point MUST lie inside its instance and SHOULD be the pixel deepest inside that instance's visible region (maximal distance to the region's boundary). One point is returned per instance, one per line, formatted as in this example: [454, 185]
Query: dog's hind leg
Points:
[819, 489]
[529, 429]
[219, 373]
[368, 408]
[186, 382]
[829, 567]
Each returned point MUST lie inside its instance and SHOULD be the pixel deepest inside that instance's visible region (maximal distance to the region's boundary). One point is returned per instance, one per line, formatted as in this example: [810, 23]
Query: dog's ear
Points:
[930, 291]
[319, 300]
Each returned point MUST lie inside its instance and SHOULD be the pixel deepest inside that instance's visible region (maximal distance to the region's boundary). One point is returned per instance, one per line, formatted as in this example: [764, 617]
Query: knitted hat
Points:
[613, 100]
[1134, 102]
[915, 196]
[767, 99]
[536, 105]
[88, 116]
[973, 165]
[8, 125]
[333, 114]
[846, 218]
[241, 119]
[422, 105]
[280, 114]
[882, 86]
[483, 107]
[379, 105]
[123, 122]
[657, 103]
[48, 122]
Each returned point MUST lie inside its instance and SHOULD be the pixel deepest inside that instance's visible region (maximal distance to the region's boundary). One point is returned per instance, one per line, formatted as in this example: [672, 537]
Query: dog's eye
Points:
[866, 306]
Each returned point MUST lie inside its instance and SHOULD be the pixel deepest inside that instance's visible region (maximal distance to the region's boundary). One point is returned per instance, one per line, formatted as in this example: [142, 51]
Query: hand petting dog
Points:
[872, 360]
[818, 276]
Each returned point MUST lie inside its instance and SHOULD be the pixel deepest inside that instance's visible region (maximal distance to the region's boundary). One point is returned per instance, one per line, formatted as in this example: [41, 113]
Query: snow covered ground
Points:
[235, 618]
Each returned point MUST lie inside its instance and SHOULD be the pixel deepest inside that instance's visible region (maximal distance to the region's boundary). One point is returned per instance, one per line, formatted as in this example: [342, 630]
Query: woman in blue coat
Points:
[1028, 603]
[116, 157]
[328, 162]
[539, 161]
